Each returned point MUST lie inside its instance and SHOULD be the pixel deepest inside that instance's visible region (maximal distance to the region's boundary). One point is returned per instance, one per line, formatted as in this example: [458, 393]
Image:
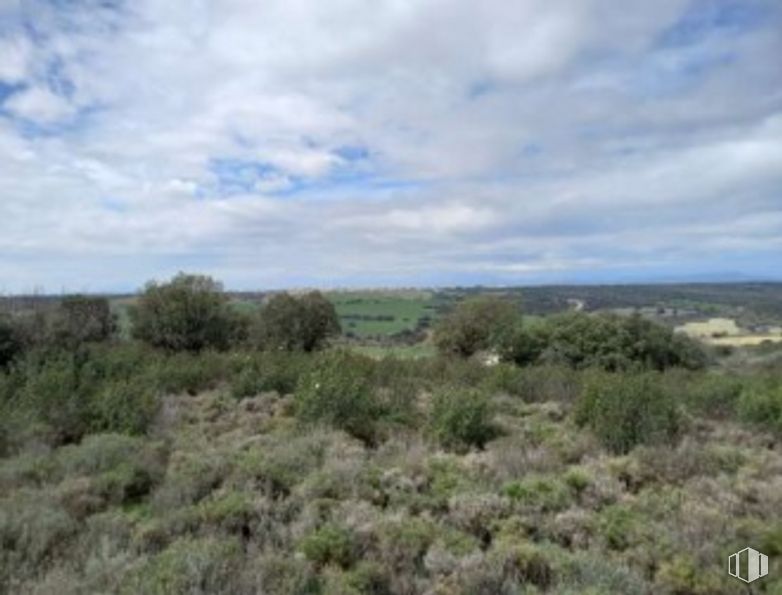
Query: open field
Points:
[725, 332]
[372, 313]
[745, 340]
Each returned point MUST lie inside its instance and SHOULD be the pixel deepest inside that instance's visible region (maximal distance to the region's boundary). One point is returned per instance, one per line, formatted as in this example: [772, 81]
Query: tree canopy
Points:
[188, 313]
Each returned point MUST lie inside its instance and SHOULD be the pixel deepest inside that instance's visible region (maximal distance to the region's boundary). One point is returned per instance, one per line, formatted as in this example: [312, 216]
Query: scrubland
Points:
[567, 468]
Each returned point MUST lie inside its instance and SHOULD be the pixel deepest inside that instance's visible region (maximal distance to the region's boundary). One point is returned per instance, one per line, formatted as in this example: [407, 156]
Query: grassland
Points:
[369, 313]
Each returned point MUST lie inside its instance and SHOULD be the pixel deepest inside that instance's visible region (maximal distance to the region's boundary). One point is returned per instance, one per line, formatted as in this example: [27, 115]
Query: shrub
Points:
[338, 392]
[539, 493]
[10, 342]
[125, 406]
[713, 395]
[761, 404]
[54, 395]
[606, 341]
[290, 323]
[461, 418]
[330, 544]
[206, 565]
[81, 319]
[190, 373]
[33, 529]
[268, 371]
[189, 313]
[474, 325]
[626, 410]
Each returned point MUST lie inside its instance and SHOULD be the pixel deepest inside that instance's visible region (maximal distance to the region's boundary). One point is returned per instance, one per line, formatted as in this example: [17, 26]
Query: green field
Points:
[369, 313]
[419, 350]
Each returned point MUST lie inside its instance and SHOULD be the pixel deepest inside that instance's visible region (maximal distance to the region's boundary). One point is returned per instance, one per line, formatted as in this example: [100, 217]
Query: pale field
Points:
[725, 331]
[743, 340]
[710, 328]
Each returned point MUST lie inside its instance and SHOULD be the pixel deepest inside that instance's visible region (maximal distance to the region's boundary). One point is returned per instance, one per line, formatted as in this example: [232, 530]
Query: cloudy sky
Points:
[388, 142]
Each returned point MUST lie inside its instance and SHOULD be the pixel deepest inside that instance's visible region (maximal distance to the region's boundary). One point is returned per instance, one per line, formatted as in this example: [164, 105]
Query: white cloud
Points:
[506, 138]
[39, 105]
[14, 57]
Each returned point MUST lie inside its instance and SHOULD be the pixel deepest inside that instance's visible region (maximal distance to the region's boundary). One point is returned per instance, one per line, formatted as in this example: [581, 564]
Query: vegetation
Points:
[627, 410]
[461, 418]
[475, 325]
[600, 457]
[10, 342]
[604, 341]
[289, 323]
[187, 313]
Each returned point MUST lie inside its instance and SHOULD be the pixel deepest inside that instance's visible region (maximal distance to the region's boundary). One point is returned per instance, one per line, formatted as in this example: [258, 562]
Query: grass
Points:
[417, 351]
[381, 313]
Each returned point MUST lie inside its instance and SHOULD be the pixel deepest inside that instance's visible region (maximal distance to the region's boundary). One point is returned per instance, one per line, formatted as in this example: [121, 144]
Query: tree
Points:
[476, 324]
[80, 319]
[287, 323]
[10, 342]
[605, 341]
[189, 313]
[319, 321]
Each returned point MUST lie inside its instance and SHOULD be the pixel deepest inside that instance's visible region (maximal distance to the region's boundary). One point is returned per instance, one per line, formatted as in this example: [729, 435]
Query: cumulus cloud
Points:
[303, 142]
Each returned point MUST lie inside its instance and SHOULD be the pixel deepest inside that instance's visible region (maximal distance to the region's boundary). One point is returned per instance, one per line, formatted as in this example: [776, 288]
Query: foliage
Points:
[461, 418]
[337, 391]
[83, 319]
[329, 544]
[189, 313]
[475, 325]
[10, 342]
[79, 392]
[760, 403]
[290, 323]
[627, 410]
[188, 565]
[607, 341]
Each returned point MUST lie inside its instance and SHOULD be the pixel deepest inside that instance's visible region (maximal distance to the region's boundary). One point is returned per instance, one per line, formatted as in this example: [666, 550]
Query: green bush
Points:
[189, 565]
[189, 313]
[84, 391]
[712, 395]
[474, 325]
[540, 493]
[268, 371]
[125, 406]
[461, 418]
[629, 409]
[761, 403]
[288, 323]
[606, 341]
[10, 342]
[190, 373]
[330, 544]
[54, 395]
[81, 319]
[338, 392]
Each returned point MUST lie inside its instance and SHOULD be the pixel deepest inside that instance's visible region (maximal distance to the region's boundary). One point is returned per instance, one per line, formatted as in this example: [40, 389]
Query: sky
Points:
[336, 143]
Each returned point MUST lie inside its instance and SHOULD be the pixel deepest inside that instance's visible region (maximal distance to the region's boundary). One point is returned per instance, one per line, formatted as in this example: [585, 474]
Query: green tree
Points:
[80, 319]
[189, 313]
[476, 324]
[10, 342]
[288, 323]
[319, 321]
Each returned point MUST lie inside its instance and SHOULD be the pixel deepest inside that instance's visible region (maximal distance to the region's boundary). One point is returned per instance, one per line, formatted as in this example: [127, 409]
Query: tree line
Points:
[187, 313]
